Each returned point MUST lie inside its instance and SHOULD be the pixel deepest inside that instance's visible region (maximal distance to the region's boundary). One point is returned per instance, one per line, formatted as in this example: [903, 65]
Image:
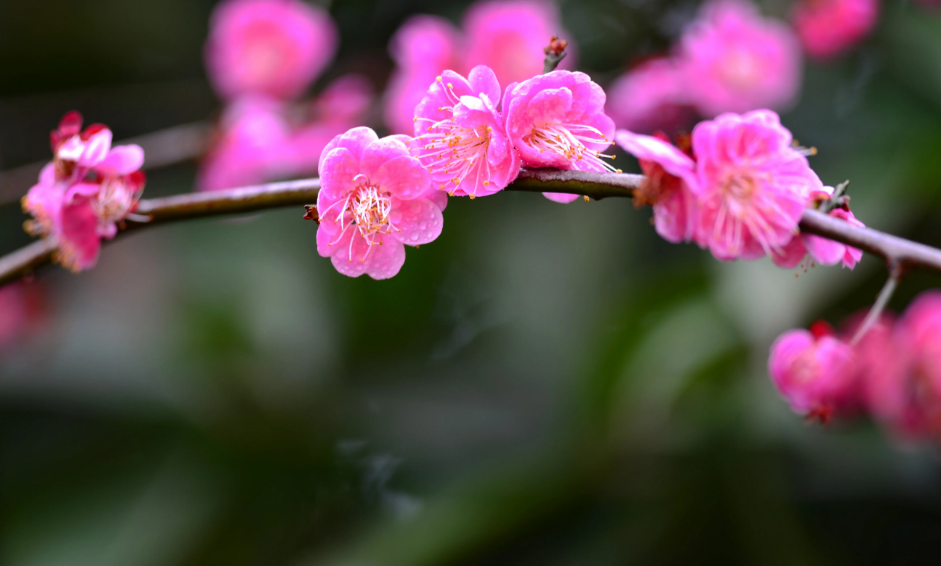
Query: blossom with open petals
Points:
[814, 371]
[669, 174]
[829, 27]
[374, 200]
[650, 97]
[460, 136]
[87, 190]
[753, 185]
[558, 120]
[268, 47]
[734, 60]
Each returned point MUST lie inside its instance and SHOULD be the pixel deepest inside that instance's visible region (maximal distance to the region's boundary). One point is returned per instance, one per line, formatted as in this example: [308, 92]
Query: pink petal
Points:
[824, 251]
[96, 149]
[338, 171]
[385, 260]
[79, 241]
[649, 148]
[121, 160]
[376, 154]
[418, 220]
[791, 254]
[403, 177]
[354, 140]
[563, 198]
[483, 80]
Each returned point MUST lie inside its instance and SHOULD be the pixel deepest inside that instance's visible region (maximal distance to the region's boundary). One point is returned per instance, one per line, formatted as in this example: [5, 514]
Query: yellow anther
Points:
[586, 198]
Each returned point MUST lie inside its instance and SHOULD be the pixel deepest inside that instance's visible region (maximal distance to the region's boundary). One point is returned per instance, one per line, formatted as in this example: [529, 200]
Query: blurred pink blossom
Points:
[558, 120]
[829, 27]
[814, 372]
[650, 97]
[374, 199]
[506, 35]
[753, 186]
[822, 250]
[272, 48]
[85, 192]
[460, 135]
[669, 173]
[733, 60]
[22, 310]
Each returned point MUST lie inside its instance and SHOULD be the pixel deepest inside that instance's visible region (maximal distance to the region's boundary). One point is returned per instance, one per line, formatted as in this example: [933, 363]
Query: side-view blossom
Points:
[85, 192]
[829, 27]
[375, 198]
[753, 185]
[460, 137]
[734, 60]
[268, 47]
[558, 120]
[669, 172]
[820, 249]
[814, 372]
[650, 97]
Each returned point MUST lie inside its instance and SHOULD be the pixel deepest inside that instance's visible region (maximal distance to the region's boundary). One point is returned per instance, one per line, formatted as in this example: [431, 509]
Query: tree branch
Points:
[899, 253]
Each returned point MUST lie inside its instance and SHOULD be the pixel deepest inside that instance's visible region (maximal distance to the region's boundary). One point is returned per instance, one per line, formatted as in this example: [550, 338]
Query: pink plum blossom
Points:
[558, 120]
[422, 48]
[734, 60]
[22, 310]
[460, 137]
[506, 35]
[830, 27]
[814, 372]
[905, 380]
[650, 97]
[821, 250]
[268, 47]
[253, 135]
[374, 199]
[85, 192]
[669, 175]
[753, 186]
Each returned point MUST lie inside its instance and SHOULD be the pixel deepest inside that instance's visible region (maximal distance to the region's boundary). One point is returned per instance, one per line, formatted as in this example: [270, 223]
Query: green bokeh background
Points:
[544, 384]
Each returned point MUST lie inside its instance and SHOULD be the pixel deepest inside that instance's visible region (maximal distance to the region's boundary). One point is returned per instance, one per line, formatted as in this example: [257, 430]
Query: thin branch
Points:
[899, 253]
[895, 277]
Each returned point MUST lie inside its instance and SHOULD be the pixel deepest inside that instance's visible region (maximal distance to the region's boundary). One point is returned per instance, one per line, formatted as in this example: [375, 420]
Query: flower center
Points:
[113, 202]
[568, 141]
[741, 68]
[453, 152]
[739, 187]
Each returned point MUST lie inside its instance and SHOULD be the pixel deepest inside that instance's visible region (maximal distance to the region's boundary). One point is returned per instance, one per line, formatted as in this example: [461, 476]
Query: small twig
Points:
[555, 52]
[898, 252]
[895, 276]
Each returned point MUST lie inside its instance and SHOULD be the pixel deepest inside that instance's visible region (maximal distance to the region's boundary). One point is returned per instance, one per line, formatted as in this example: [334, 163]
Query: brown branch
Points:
[899, 253]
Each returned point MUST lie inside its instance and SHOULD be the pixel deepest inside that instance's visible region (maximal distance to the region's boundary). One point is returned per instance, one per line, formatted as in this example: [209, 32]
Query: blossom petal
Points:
[338, 171]
[403, 177]
[385, 260]
[563, 198]
[122, 160]
[419, 221]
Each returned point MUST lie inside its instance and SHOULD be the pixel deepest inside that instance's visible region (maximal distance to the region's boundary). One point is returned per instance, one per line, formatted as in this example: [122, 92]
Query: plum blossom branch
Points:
[899, 253]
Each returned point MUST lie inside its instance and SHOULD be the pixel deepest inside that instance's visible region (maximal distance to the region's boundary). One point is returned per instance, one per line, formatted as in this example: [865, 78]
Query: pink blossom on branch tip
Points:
[814, 372]
[460, 137]
[268, 47]
[827, 28]
[375, 198]
[734, 60]
[558, 120]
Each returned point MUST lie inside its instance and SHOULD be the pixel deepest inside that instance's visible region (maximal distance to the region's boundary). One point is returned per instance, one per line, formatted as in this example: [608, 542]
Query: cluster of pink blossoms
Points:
[85, 192]
[739, 188]
[893, 372]
[731, 59]
[261, 55]
[470, 140]
[507, 36]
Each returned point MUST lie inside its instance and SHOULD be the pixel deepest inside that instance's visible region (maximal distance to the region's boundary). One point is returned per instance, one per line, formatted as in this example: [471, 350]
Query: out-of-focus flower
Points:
[830, 27]
[669, 174]
[558, 120]
[822, 250]
[22, 310]
[507, 36]
[87, 190]
[268, 47]
[904, 375]
[374, 199]
[733, 60]
[253, 136]
[814, 372]
[460, 137]
[650, 97]
[753, 185]
[422, 48]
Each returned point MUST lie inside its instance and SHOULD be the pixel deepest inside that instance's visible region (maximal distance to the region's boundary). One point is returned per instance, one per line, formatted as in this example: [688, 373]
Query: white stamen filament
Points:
[366, 210]
[568, 140]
